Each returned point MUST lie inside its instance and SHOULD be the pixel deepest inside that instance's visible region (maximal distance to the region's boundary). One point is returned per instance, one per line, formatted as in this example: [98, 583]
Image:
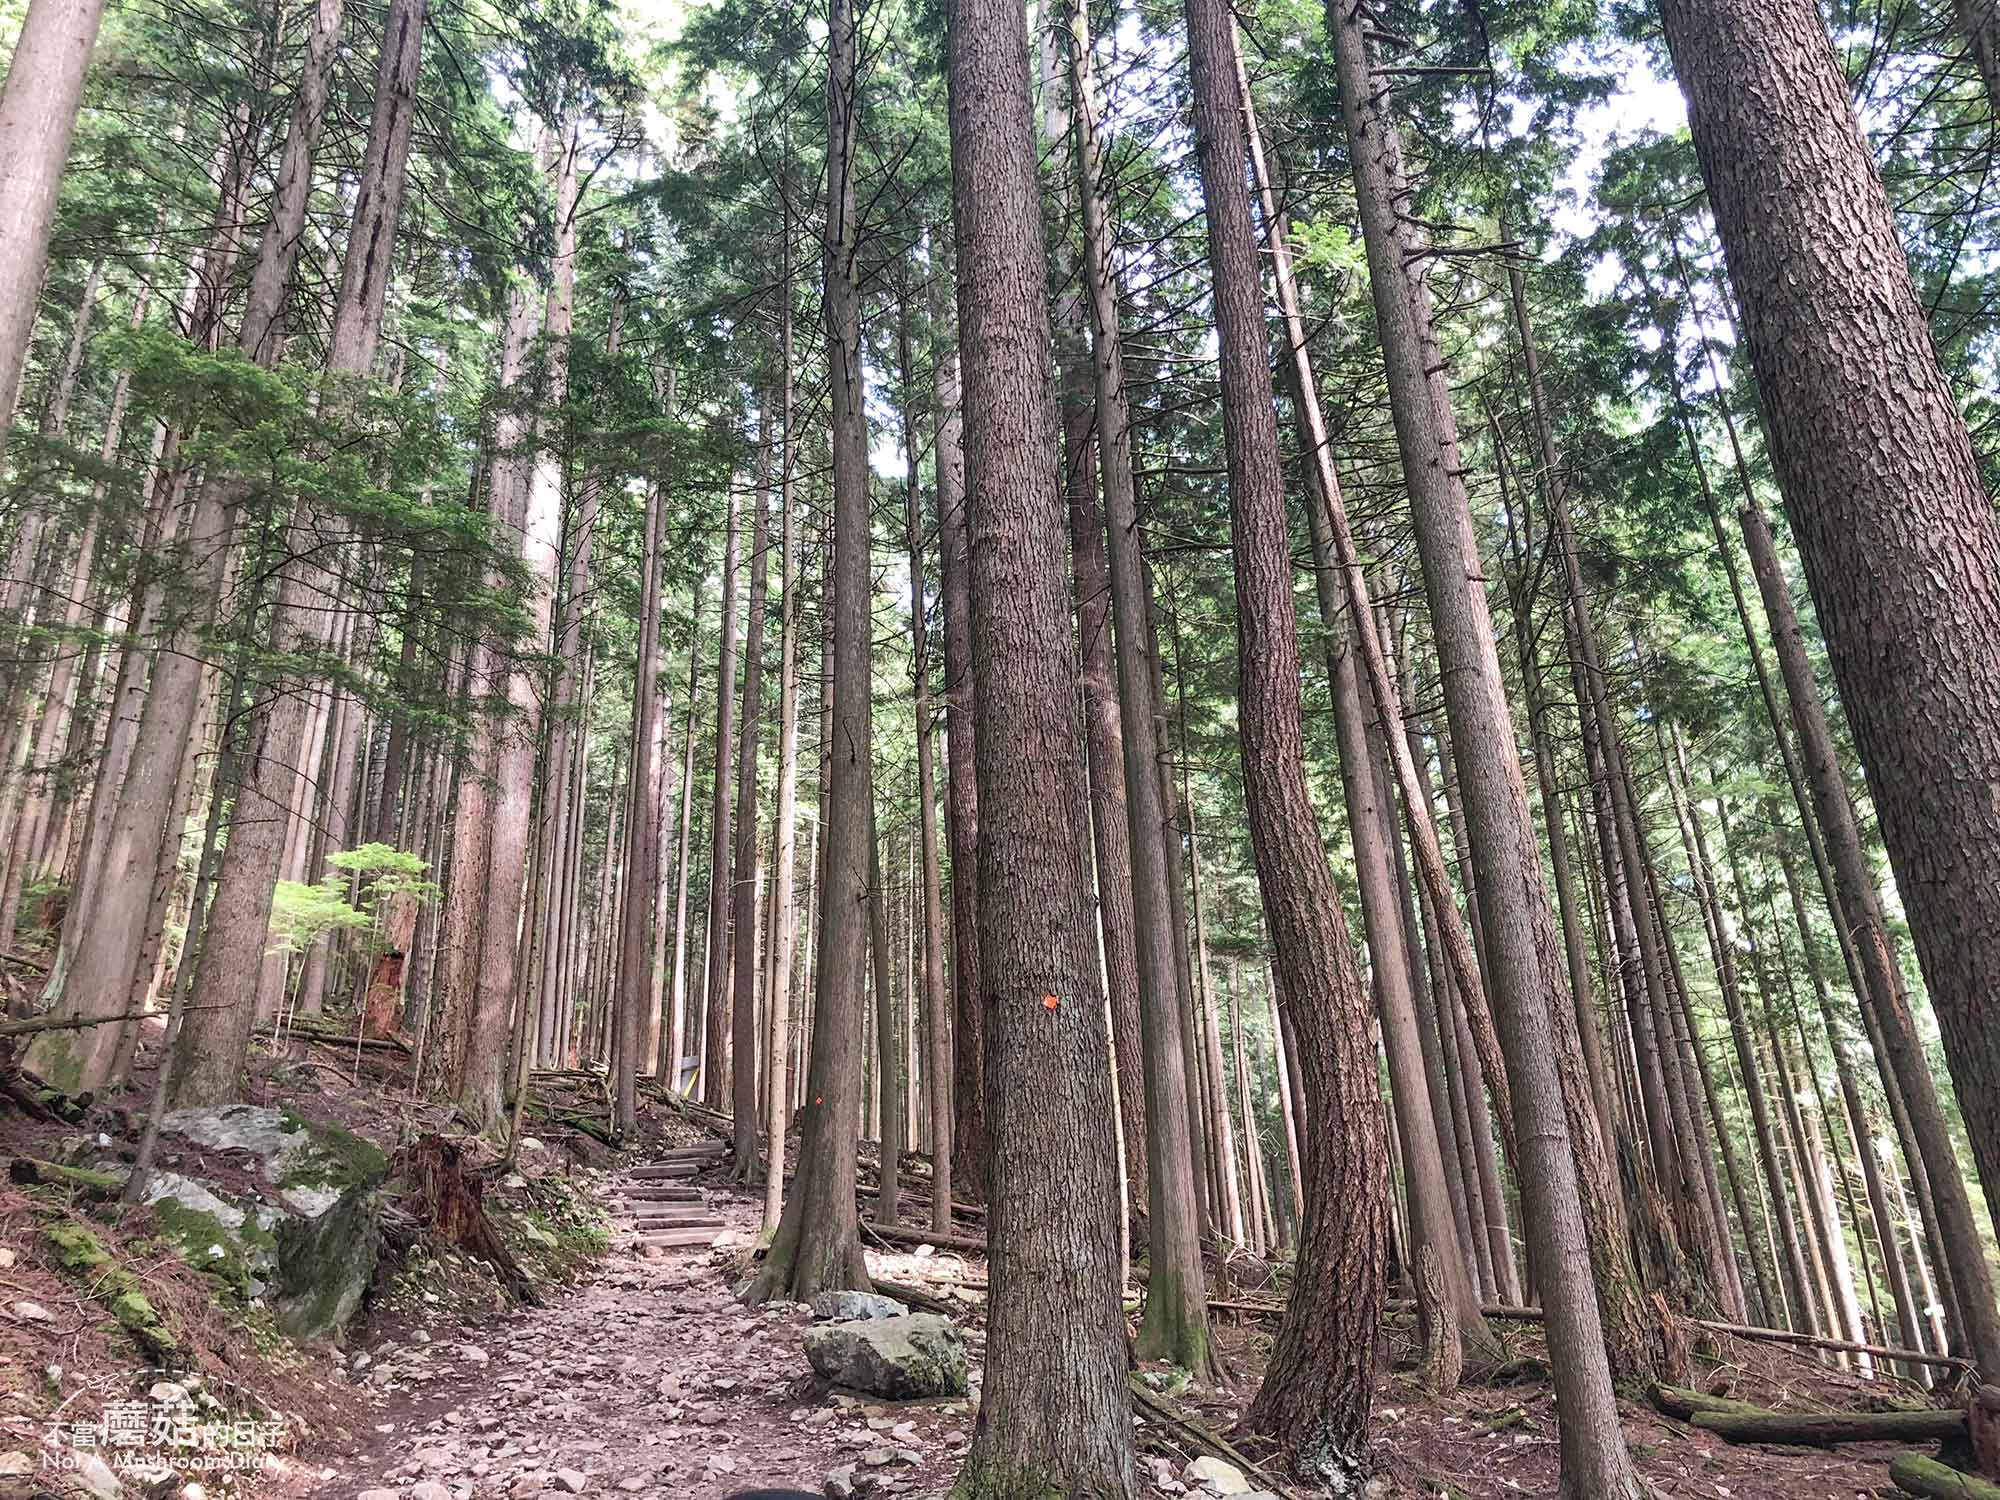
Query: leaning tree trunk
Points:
[1055, 1414]
[1561, 1158]
[38, 108]
[1900, 542]
[1319, 1388]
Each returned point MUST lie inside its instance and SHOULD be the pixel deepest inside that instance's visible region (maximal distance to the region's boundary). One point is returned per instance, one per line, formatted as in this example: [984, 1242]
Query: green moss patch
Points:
[81, 1255]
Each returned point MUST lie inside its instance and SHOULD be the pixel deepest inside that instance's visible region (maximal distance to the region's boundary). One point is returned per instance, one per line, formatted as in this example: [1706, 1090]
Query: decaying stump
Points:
[448, 1200]
[1982, 1417]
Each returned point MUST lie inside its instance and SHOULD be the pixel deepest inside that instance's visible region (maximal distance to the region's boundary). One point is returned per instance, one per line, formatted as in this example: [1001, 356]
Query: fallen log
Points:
[1824, 1429]
[1682, 1404]
[897, 1235]
[1838, 1346]
[1935, 1481]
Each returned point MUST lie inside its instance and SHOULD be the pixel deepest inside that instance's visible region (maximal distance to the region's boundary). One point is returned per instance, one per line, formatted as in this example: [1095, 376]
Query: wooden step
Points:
[661, 1171]
[671, 1239]
[654, 1194]
[694, 1219]
[700, 1151]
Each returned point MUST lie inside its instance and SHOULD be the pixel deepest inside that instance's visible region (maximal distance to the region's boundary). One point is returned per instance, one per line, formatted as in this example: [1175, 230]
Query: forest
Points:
[1317, 686]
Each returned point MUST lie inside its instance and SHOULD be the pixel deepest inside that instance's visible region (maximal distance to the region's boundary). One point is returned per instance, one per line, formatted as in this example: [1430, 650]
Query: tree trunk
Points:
[1055, 1416]
[635, 981]
[743, 897]
[1319, 1387]
[1174, 1324]
[784, 827]
[1560, 1159]
[1900, 542]
[936, 1008]
[968, 1029]
[38, 108]
[818, 1244]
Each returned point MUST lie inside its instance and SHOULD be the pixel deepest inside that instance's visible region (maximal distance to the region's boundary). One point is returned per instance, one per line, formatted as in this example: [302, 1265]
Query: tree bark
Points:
[968, 1029]
[1319, 1387]
[1899, 538]
[1174, 1323]
[743, 864]
[1560, 1159]
[818, 1243]
[38, 108]
[1055, 1416]
[936, 1010]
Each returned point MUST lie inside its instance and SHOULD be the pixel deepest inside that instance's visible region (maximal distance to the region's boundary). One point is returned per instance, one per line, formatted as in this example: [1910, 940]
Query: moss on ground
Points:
[82, 1255]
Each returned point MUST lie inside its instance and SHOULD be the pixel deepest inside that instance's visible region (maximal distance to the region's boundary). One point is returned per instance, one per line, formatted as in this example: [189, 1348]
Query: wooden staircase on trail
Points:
[662, 1208]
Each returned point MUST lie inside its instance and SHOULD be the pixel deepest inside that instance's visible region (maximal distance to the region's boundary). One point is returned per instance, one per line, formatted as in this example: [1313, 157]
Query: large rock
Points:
[916, 1355]
[308, 1241]
[847, 1307]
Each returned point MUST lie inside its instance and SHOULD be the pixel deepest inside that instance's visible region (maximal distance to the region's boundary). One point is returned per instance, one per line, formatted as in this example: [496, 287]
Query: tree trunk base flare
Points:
[1935, 1481]
[1167, 1331]
[1444, 1349]
[1824, 1429]
[446, 1198]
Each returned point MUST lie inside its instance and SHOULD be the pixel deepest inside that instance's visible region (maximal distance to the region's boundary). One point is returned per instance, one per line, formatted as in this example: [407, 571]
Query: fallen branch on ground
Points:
[1193, 1434]
[1838, 1346]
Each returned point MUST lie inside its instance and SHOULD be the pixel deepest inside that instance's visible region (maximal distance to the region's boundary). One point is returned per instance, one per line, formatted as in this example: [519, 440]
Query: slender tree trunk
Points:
[1319, 1386]
[716, 1020]
[968, 1030]
[818, 1243]
[936, 1009]
[1055, 1414]
[1561, 1157]
[743, 897]
[784, 828]
[1897, 532]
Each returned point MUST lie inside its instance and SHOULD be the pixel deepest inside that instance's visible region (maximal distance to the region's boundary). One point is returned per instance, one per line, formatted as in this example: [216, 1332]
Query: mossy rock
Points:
[311, 1253]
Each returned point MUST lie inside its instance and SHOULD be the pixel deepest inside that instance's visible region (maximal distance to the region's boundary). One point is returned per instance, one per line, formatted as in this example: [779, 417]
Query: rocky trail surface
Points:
[647, 1379]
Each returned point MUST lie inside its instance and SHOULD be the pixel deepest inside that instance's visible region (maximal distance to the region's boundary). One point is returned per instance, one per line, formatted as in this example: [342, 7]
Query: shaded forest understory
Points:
[1308, 689]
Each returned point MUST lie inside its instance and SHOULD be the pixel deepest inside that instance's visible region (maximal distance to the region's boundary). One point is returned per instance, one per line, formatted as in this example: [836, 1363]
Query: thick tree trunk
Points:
[1899, 538]
[1055, 1416]
[38, 108]
[1319, 1387]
